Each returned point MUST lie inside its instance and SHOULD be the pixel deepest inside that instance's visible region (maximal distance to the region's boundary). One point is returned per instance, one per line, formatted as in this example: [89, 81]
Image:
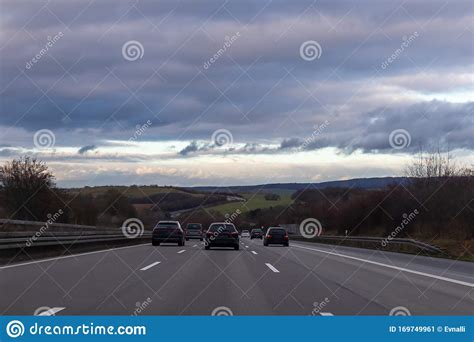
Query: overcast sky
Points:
[234, 92]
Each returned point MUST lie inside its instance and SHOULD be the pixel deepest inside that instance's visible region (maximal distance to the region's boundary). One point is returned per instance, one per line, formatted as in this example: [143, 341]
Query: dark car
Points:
[276, 235]
[256, 234]
[193, 231]
[222, 235]
[168, 231]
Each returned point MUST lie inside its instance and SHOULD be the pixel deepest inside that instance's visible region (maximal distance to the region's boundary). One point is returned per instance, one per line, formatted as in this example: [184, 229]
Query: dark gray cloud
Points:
[86, 148]
[260, 88]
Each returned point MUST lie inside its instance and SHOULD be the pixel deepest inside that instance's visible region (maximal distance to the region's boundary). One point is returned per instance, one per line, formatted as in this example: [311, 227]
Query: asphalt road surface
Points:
[302, 279]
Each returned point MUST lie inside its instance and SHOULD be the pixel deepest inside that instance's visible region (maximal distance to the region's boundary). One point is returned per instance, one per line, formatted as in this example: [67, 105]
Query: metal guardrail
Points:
[419, 244]
[25, 234]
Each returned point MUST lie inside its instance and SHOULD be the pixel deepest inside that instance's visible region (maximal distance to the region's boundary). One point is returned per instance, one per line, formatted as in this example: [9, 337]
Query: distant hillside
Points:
[362, 183]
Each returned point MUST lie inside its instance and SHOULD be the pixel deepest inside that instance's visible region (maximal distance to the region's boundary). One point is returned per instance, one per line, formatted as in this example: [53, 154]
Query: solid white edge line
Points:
[460, 282]
[182, 251]
[70, 256]
[150, 266]
[51, 311]
[270, 266]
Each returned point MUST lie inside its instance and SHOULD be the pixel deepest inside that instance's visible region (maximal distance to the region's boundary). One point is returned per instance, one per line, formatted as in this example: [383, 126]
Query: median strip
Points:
[150, 266]
[272, 268]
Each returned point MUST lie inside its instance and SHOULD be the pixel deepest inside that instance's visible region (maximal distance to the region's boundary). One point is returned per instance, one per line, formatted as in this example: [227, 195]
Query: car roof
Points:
[168, 222]
[222, 223]
[275, 228]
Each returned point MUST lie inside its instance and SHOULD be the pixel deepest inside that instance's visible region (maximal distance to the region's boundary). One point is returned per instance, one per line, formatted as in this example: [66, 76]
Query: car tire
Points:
[154, 243]
[236, 247]
[201, 239]
[207, 247]
[187, 239]
[287, 245]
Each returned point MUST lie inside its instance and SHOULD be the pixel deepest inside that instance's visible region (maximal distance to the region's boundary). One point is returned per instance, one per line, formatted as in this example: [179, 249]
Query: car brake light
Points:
[269, 236]
[286, 237]
[209, 235]
[234, 234]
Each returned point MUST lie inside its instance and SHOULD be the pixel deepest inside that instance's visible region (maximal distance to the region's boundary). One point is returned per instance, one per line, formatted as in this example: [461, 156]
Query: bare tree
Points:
[26, 188]
[436, 164]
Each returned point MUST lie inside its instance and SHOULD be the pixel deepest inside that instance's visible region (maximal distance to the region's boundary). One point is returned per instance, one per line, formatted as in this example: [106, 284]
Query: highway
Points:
[303, 279]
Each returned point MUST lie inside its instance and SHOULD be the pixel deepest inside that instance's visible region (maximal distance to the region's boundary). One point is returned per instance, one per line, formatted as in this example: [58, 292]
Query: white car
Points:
[245, 233]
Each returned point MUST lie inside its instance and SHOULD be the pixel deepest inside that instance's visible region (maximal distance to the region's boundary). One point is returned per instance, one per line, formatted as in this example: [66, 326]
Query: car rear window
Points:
[166, 225]
[222, 228]
[193, 226]
[277, 231]
[256, 231]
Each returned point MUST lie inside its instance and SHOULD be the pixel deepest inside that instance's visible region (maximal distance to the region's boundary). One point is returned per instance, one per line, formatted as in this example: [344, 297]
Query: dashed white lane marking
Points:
[272, 268]
[150, 266]
[195, 245]
[246, 246]
[254, 252]
[182, 251]
[51, 311]
[390, 266]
